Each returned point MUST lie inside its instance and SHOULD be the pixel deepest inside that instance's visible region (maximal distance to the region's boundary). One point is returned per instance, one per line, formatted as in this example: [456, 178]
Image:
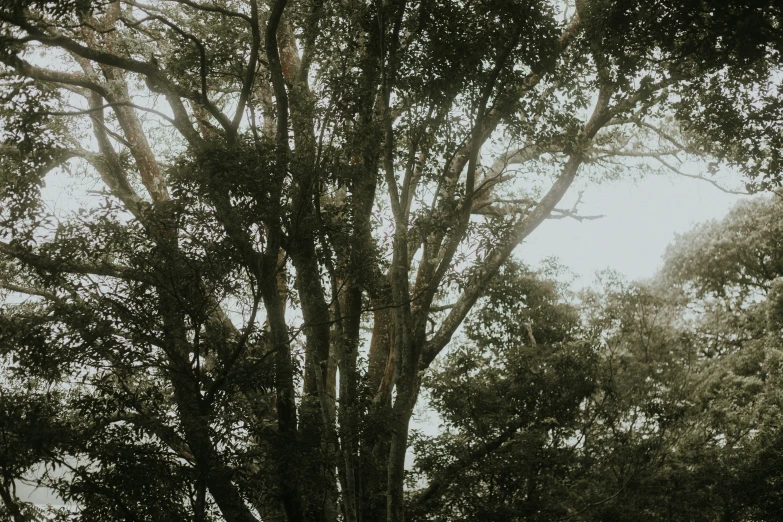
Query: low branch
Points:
[29, 290]
[65, 266]
[449, 473]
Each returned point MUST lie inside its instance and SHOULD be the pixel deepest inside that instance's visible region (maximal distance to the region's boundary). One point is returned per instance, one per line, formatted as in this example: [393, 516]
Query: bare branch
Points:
[665, 135]
[609, 153]
[84, 112]
[703, 178]
[569, 214]
[572, 212]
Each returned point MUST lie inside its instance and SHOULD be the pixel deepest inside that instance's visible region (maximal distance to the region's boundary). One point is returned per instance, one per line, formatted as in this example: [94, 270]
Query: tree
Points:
[509, 399]
[661, 402]
[272, 179]
[657, 402]
[576, 418]
[649, 448]
[730, 272]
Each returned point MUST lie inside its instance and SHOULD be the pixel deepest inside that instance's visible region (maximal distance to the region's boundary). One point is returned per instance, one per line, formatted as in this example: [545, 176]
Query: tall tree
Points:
[259, 182]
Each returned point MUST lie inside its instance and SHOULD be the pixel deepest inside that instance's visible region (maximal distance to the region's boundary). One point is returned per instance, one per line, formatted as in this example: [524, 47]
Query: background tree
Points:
[669, 410]
[258, 181]
[509, 400]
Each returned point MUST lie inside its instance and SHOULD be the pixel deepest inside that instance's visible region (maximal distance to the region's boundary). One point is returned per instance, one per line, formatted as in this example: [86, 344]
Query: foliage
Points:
[255, 185]
[509, 400]
[667, 414]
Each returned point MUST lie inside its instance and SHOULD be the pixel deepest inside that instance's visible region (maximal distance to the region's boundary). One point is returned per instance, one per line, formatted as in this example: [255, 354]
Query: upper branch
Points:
[247, 84]
[276, 69]
[523, 228]
[214, 9]
[156, 79]
[25, 68]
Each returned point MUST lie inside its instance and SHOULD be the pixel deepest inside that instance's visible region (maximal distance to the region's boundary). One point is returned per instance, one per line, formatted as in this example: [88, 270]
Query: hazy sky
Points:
[641, 219]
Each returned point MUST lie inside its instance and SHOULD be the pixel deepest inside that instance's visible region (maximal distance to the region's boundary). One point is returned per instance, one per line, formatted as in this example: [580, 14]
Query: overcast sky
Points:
[641, 219]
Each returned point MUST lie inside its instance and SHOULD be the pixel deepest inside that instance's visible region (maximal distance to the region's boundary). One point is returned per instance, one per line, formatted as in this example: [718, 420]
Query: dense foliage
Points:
[279, 213]
[662, 403]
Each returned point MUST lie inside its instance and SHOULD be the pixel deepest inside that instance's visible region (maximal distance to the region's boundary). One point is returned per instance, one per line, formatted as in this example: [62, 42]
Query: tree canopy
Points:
[283, 211]
[662, 403]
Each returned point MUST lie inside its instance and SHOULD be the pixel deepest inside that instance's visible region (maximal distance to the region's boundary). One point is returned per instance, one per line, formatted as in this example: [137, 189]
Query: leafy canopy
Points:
[281, 212]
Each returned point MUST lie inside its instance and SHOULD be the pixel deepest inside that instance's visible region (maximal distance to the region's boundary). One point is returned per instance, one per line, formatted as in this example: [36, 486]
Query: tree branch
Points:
[214, 9]
[252, 63]
[451, 472]
[702, 178]
[24, 68]
[66, 266]
[276, 70]
[523, 228]
[40, 292]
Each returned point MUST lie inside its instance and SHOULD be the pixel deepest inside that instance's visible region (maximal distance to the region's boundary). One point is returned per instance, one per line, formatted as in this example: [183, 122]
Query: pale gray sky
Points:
[641, 219]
